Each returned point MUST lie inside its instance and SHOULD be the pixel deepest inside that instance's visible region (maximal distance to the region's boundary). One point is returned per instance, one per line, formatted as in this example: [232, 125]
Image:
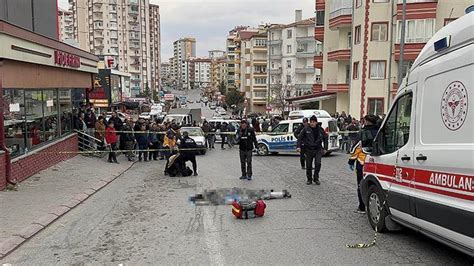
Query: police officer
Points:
[312, 138]
[302, 150]
[357, 159]
[188, 152]
[247, 142]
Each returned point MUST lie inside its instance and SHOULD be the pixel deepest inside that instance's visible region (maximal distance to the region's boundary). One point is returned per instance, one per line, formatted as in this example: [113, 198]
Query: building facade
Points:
[199, 73]
[218, 73]
[233, 54]
[155, 47]
[120, 32]
[215, 54]
[183, 49]
[362, 55]
[66, 25]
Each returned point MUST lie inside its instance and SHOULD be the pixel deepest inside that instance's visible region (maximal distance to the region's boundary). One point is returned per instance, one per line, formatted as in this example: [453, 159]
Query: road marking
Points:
[212, 238]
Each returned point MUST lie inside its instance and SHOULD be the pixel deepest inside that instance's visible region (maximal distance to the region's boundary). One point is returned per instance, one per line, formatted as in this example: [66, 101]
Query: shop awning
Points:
[315, 97]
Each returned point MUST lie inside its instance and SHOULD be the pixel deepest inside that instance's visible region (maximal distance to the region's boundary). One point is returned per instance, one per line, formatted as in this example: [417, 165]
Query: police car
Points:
[420, 171]
[282, 138]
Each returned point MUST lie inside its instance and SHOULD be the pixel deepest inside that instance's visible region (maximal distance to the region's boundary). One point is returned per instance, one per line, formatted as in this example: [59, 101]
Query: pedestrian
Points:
[231, 135]
[100, 131]
[170, 143]
[315, 142]
[161, 136]
[118, 125]
[128, 139]
[247, 143]
[302, 149]
[142, 141]
[111, 139]
[357, 159]
[90, 121]
[206, 128]
[223, 130]
[188, 151]
[154, 142]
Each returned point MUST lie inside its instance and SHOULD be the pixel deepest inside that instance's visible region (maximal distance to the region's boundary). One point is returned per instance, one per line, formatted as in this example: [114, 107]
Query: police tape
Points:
[363, 245]
[119, 151]
[216, 133]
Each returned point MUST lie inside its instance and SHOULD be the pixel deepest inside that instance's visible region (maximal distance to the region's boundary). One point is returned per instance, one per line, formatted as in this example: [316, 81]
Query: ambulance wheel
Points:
[376, 211]
[262, 149]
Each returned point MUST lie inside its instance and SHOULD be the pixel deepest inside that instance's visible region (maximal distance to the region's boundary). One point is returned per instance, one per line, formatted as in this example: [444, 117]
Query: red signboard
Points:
[66, 59]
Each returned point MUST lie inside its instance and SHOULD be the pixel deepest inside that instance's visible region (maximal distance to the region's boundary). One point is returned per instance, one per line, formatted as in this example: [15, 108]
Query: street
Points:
[144, 217]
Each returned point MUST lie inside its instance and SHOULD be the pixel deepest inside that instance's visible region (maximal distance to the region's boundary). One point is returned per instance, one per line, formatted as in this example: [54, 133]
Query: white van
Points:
[282, 138]
[422, 160]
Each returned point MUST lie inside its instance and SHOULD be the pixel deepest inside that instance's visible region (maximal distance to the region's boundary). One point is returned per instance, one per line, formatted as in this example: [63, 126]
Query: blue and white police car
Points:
[282, 139]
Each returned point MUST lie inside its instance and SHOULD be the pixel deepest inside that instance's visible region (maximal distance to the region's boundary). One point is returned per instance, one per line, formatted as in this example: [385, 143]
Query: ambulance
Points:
[419, 172]
[282, 138]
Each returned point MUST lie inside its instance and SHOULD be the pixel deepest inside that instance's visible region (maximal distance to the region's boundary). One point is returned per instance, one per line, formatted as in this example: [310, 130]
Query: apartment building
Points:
[165, 70]
[66, 25]
[215, 54]
[199, 73]
[155, 47]
[119, 31]
[218, 73]
[184, 49]
[362, 48]
[253, 69]
[292, 49]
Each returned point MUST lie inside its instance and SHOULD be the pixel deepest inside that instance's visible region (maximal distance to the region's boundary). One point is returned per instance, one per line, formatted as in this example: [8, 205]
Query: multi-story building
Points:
[253, 70]
[199, 73]
[155, 47]
[292, 49]
[66, 25]
[165, 70]
[119, 32]
[218, 73]
[215, 54]
[184, 49]
[362, 48]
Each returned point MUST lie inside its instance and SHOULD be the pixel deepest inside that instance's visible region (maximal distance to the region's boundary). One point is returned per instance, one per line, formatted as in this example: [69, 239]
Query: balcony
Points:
[305, 39]
[134, 37]
[301, 53]
[317, 88]
[99, 45]
[341, 17]
[260, 73]
[133, 22]
[339, 55]
[133, 12]
[303, 86]
[97, 11]
[275, 42]
[418, 9]
[336, 86]
[411, 51]
[304, 70]
[319, 33]
[98, 3]
[318, 61]
[320, 5]
[276, 71]
[259, 61]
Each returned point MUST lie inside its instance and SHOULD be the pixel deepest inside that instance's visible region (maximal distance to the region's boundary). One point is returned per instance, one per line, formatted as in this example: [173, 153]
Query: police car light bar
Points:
[442, 44]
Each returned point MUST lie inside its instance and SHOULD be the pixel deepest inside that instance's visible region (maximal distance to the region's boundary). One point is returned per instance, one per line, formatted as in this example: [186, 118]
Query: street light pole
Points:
[402, 43]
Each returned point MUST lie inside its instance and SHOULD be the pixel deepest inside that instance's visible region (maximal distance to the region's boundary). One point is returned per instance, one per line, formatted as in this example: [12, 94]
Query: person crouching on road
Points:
[187, 150]
[170, 143]
[302, 150]
[142, 141]
[356, 161]
[111, 139]
[247, 143]
[312, 138]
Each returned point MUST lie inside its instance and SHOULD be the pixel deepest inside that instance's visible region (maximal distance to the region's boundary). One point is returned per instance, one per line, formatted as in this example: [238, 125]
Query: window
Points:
[288, 49]
[296, 126]
[380, 1]
[260, 69]
[288, 79]
[416, 31]
[357, 35]
[273, 36]
[281, 128]
[379, 31]
[260, 94]
[377, 69]
[375, 106]
[355, 70]
[260, 81]
[289, 34]
[358, 3]
[396, 131]
[260, 42]
[320, 18]
[288, 64]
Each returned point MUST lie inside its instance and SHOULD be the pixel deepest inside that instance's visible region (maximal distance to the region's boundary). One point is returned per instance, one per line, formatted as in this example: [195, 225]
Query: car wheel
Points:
[262, 149]
[376, 210]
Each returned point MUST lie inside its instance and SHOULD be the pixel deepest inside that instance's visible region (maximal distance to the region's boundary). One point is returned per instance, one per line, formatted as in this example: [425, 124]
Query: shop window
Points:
[50, 117]
[65, 111]
[15, 133]
[34, 117]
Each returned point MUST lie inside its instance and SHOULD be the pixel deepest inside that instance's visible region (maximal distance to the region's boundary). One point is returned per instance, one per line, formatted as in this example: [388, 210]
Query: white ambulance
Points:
[422, 162]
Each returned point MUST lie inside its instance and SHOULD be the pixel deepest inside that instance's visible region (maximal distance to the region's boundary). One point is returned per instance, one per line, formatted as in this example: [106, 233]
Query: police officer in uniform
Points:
[247, 143]
[302, 150]
[188, 152]
[312, 138]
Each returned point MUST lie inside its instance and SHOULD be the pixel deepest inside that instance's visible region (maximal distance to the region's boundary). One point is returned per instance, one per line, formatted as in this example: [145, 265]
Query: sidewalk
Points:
[46, 196]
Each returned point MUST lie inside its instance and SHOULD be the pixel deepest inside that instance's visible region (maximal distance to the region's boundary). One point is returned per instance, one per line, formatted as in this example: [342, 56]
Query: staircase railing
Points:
[88, 144]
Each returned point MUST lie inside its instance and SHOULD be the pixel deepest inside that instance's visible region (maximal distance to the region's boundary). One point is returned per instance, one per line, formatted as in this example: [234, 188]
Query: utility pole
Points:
[402, 43]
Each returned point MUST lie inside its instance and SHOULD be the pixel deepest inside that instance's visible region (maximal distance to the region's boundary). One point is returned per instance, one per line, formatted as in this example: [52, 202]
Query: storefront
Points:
[108, 89]
[43, 83]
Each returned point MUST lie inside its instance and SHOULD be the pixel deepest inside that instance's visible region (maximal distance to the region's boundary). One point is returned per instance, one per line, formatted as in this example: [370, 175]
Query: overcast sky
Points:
[210, 20]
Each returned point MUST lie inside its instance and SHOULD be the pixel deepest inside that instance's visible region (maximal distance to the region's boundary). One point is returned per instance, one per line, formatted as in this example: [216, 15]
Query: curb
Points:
[17, 239]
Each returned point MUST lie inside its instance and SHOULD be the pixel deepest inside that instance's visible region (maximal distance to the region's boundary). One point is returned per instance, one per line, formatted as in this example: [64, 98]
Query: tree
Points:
[234, 97]
[222, 88]
[278, 95]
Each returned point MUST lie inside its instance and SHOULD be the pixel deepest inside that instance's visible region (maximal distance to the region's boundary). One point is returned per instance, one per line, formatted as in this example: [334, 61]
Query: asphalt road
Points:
[144, 217]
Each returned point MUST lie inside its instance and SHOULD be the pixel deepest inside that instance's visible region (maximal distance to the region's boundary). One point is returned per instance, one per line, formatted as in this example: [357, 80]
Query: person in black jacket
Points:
[302, 150]
[312, 138]
[187, 153]
[247, 143]
[223, 130]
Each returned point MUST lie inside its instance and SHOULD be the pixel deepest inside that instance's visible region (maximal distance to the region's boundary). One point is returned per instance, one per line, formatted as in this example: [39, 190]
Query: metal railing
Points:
[341, 12]
[89, 144]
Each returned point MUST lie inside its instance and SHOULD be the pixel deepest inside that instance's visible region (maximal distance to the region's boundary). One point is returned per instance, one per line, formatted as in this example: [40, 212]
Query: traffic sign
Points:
[169, 97]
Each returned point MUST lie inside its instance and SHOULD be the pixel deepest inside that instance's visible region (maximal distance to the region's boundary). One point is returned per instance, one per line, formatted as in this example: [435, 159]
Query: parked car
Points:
[145, 115]
[121, 115]
[197, 135]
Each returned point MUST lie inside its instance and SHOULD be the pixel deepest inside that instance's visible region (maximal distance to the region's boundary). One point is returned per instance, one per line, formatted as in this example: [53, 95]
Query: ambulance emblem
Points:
[454, 105]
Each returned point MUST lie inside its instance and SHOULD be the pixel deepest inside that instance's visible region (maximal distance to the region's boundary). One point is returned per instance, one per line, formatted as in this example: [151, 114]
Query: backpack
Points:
[187, 171]
[248, 209]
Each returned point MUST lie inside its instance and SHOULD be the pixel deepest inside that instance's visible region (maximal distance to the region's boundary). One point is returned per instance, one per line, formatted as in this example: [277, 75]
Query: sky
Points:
[209, 21]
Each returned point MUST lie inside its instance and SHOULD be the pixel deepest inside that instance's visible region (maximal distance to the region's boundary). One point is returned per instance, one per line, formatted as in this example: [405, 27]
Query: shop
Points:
[108, 90]
[43, 84]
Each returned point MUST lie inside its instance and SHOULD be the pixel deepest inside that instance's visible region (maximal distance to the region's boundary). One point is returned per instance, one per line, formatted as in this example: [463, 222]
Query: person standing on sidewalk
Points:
[302, 149]
[118, 125]
[206, 128]
[143, 142]
[129, 139]
[247, 143]
[154, 142]
[312, 138]
[111, 139]
[100, 131]
[223, 131]
[230, 136]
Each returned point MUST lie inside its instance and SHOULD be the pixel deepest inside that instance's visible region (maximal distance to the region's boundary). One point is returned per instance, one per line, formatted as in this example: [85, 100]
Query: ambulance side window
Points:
[396, 131]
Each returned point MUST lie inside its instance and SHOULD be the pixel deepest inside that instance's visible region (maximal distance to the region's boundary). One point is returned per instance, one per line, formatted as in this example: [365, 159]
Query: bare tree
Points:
[278, 95]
